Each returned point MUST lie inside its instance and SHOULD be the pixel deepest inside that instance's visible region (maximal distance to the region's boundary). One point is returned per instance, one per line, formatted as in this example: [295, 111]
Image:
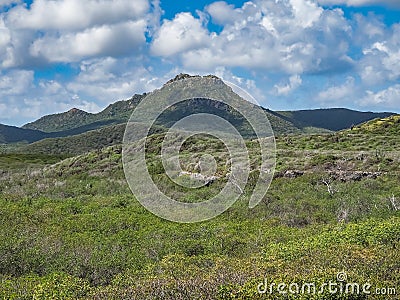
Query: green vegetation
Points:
[390, 125]
[77, 144]
[11, 134]
[15, 161]
[118, 112]
[73, 230]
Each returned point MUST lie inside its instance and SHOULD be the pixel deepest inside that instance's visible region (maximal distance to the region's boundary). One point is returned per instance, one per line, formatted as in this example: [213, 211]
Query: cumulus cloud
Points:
[22, 100]
[109, 79]
[294, 82]
[388, 98]
[8, 2]
[338, 93]
[368, 28]
[106, 40]
[115, 43]
[381, 60]
[5, 37]
[75, 14]
[390, 3]
[222, 12]
[183, 33]
[65, 31]
[291, 36]
[71, 30]
[15, 82]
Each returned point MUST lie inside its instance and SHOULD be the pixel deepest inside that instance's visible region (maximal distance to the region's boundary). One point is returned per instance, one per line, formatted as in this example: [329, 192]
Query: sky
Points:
[288, 54]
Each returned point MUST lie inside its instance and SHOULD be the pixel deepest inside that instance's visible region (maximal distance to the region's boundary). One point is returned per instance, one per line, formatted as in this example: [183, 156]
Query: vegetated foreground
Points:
[72, 229]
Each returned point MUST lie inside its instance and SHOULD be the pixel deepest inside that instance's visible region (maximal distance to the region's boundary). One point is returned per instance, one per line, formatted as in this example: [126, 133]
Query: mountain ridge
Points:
[77, 122]
[118, 112]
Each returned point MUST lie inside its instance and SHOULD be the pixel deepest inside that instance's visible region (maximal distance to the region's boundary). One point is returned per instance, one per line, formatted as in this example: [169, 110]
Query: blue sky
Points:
[289, 54]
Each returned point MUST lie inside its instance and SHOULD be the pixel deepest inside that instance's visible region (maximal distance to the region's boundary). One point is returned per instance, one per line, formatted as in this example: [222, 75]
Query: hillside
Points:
[11, 134]
[383, 126]
[59, 122]
[66, 122]
[80, 143]
[75, 231]
[334, 119]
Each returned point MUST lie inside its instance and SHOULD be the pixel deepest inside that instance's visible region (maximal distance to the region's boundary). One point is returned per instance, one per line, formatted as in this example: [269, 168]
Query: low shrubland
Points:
[71, 228]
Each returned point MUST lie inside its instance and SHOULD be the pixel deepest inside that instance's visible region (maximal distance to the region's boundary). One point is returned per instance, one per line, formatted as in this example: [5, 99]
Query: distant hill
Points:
[60, 122]
[115, 113]
[11, 134]
[334, 119]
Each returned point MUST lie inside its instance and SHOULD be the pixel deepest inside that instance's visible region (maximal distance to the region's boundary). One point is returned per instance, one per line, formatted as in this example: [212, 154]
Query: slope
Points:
[382, 126]
[66, 122]
[11, 134]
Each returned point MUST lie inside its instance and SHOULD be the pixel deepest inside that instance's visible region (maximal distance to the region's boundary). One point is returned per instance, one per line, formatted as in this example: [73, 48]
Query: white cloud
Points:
[295, 81]
[15, 82]
[388, 98]
[21, 100]
[291, 36]
[109, 79]
[76, 14]
[71, 30]
[391, 3]
[368, 28]
[106, 40]
[183, 33]
[8, 2]
[306, 12]
[5, 37]
[297, 40]
[338, 93]
[381, 60]
[222, 12]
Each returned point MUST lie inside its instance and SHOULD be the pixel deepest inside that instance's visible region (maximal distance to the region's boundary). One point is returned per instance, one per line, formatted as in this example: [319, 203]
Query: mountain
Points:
[115, 113]
[11, 134]
[60, 122]
[76, 131]
[75, 121]
[334, 119]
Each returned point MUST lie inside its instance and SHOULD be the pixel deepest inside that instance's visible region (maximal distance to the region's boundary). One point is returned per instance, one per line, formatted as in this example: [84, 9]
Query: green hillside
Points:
[383, 126]
[12, 134]
[80, 143]
[62, 121]
[66, 122]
